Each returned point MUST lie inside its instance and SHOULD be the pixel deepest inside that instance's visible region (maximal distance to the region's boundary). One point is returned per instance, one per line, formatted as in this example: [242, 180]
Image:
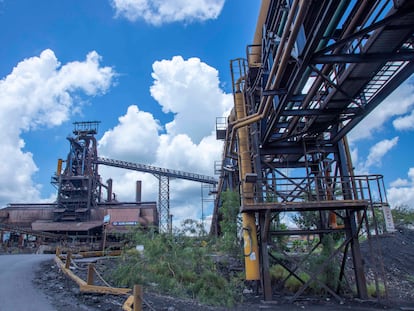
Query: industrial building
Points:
[84, 207]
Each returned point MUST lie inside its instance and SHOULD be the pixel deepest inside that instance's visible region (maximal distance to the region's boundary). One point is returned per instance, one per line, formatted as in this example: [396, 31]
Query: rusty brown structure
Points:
[85, 206]
[315, 69]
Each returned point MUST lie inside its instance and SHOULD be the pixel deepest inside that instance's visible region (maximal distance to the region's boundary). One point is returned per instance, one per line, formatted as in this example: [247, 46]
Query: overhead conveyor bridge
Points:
[159, 171]
[315, 69]
[163, 175]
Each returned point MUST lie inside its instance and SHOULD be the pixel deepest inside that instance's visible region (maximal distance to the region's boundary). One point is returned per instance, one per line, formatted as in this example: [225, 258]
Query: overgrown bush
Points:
[403, 215]
[279, 274]
[230, 223]
[184, 264]
[372, 290]
[328, 275]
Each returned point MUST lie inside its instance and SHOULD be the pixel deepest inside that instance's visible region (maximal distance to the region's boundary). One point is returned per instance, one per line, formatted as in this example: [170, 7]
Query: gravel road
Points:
[51, 287]
[17, 291]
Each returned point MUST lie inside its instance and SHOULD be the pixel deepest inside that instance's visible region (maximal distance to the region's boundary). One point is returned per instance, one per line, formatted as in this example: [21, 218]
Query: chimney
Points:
[138, 191]
[109, 194]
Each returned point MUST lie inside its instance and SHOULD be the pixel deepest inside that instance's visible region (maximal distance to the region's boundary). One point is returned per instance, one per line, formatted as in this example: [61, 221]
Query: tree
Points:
[403, 215]
[230, 222]
[306, 220]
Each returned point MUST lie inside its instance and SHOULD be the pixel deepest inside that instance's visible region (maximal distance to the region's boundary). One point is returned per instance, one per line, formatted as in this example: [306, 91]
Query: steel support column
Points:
[164, 203]
[264, 223]
[352, 232]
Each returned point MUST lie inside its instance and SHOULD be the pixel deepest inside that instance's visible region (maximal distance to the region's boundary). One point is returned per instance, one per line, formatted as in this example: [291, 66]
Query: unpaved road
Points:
[17, 291]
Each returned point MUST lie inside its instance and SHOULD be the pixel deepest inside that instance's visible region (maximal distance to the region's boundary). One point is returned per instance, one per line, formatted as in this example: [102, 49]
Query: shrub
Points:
[372, 290]
[178, 265]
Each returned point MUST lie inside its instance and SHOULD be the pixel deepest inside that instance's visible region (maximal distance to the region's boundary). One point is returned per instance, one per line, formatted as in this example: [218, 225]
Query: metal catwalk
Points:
[315, 69]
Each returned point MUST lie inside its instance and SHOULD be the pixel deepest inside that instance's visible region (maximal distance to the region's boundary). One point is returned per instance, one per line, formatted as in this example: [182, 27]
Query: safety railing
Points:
[369, 188]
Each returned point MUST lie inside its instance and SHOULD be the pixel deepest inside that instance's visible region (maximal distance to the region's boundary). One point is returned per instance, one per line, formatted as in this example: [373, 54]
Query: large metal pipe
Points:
[287, 33]
[251, 250]
[354, 23]
[264, 9]
[322, 43]
[279, 66]
[255, 56]
[59, 167]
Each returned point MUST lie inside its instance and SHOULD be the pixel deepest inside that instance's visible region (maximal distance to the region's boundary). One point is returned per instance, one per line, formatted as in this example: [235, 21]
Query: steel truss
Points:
[163, 175]
[164, 203]
[314, 70]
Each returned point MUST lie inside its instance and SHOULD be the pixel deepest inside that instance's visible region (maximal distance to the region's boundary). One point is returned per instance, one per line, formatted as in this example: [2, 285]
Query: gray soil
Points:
[398, 259]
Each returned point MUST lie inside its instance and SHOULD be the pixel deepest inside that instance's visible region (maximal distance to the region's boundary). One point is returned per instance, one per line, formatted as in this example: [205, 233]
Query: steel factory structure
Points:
[315, 69]
[85, 206]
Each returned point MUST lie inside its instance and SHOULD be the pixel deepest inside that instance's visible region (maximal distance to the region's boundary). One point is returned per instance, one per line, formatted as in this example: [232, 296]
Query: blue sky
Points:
[156, 74]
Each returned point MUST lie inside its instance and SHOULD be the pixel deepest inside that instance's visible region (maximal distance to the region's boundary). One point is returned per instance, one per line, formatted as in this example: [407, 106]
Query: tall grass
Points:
[187, 263]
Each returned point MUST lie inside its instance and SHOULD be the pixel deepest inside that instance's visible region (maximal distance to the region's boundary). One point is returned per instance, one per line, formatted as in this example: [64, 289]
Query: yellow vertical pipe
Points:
[59, 167]
[251, 250]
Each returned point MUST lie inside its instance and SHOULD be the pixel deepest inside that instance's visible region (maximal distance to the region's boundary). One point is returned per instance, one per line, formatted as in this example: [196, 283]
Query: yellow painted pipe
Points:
[240, 126]
[264, 9]
[281, 60]
[251, 249]
[255, 57]
[59, 167]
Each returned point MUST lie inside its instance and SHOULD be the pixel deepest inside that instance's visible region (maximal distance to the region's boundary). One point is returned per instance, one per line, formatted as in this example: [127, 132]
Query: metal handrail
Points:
[370, 188]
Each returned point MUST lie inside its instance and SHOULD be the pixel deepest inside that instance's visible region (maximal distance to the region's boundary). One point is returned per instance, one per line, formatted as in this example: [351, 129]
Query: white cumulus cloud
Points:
[191, 90]
[134, 139]
[375, 156]
[157, 12]
[404, 123]
[401, 191]
[40, 91]
[377, 152]
[398, 104]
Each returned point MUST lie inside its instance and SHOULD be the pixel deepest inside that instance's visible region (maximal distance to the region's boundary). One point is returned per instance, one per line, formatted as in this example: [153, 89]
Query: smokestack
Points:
[109, 194]
[138, 191]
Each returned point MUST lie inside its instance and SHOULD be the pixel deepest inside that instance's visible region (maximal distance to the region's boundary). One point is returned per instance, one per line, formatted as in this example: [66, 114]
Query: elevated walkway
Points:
[157, 170]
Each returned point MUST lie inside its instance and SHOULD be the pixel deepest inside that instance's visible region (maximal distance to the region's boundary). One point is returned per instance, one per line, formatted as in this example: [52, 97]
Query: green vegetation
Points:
[409, 278]
[187, 263]
[230, 224]
[328, 275]
[279, 274]
[372, 290]
[403, 215]
[376, 220]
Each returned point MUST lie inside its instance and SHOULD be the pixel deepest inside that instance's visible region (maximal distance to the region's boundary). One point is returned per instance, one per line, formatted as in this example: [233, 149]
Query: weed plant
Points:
[185, 263]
